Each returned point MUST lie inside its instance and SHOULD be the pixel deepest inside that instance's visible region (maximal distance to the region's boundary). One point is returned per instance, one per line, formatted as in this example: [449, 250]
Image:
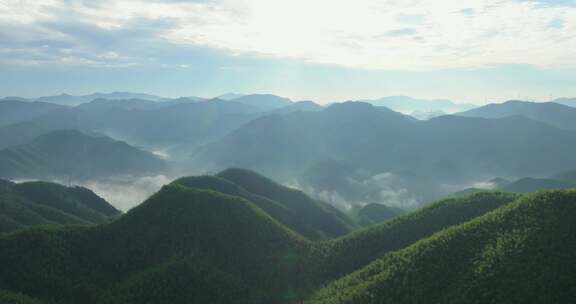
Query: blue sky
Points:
[467, 51]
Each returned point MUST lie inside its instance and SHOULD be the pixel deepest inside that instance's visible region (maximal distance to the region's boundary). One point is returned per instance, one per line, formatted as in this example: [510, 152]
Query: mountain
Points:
[372, 214]
[182, 245]
[410, 105]
[323, 217]
[344, 255]
[571, 102]
[71, 100]
[19, 133]
[118, 104]
[265, 102]
[198, 240]
[40, 203]
[312, 219]
[73, 154]
[555, 114]
[387, 152]
[230, 96]
[16, 111]
[176, 124]
[519, 253]
[304, 105]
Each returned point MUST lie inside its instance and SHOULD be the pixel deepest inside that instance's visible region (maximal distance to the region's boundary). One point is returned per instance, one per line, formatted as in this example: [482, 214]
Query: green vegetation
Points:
[71, 153]
[372, 214]
[236, 238]
[520, 253]
[40, 203]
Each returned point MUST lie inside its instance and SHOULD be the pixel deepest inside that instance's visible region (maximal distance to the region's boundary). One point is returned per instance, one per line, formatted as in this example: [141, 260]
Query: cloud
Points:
[365, 34]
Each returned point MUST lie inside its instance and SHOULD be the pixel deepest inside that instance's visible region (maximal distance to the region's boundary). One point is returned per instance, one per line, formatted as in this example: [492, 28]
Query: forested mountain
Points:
[40, 203]
[216, 239]
[311, 218]
[372, 214]
[516, 254]
[371, 141]
[15, 111]
[73, 154]
[71, 100]
[554, 114]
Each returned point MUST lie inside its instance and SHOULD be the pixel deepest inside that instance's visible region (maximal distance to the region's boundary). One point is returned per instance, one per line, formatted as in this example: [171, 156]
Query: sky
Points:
[475, 51]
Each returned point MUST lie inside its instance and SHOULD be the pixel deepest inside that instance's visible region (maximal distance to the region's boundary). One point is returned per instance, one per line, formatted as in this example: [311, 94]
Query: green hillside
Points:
[233, 238]
[323, 216]
[179, 234]
[520, 253]
[71, 153]
[287, 214]
[40, 203]
[372, 214]
[350, 252]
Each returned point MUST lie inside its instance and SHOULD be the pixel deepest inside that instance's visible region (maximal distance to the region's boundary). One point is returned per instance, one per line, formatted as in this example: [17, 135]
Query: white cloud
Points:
[369, 34]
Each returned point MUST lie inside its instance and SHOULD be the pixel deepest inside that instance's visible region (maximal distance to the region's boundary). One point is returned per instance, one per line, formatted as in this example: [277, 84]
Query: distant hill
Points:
[555, 114]
[151, 124]
[73, 154]
[306, 105]
[421, 155]
[16, 111]
[410, 105]
[372, 214]
[516, 254]
[40, 203]
[264, 102]
[230, 96]
[571, 102]
[71, 100]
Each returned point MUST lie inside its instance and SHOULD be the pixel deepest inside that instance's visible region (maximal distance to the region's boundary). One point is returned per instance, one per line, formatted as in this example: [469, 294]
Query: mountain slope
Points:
[70, 100]
[178, 234]
[422, 156]
[557, 115]
[39, 203]
[69, 153]
[312, 219]
[264, 102]
[15, 111]
[322, 216]
[519, 253]
[409, 105]
[357, 249]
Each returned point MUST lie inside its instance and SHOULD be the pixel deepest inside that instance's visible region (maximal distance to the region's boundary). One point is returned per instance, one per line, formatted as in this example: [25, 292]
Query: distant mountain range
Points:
[421, 108]
[446, 150]
[202, 240]
[554, 114]
[71, 154]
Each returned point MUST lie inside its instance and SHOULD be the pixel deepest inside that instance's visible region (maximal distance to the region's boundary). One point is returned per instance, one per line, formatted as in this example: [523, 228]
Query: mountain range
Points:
[554, 114]
[71, 154]
[40, 203]
[375, 142]
[193, 245]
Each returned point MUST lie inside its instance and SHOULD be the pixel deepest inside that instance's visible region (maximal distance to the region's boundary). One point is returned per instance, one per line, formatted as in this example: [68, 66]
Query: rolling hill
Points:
[516, 254]
[312, 219]
[40, 203]
[554, 114]
[73, 154]
[422, 155]
[17, 111]
[198, 240]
